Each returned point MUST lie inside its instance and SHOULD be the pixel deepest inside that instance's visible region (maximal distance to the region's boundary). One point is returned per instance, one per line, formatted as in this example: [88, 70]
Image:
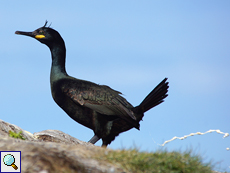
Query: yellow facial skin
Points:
[39, 36]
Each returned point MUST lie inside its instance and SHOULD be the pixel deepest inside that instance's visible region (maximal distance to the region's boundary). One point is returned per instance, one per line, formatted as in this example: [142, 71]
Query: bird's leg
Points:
[94, 139]
[104, 145]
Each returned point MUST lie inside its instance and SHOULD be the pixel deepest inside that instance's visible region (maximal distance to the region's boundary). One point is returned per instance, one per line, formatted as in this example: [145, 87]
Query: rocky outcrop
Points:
[52, 151]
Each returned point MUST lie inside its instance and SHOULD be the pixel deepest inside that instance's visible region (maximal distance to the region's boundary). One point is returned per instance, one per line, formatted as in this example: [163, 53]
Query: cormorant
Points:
[97, 107]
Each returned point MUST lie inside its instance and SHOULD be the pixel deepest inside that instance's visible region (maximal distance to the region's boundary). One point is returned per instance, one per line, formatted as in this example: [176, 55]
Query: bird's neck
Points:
[58, 71]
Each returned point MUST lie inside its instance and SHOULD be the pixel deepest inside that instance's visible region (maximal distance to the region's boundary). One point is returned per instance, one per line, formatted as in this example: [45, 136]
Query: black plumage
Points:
[97, 107]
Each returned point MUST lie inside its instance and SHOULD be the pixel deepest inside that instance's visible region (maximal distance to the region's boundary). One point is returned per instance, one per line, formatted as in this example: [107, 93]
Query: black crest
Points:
[46, 24]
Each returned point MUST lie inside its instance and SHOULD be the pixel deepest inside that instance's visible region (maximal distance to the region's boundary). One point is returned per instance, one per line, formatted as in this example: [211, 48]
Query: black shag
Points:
[97, 107]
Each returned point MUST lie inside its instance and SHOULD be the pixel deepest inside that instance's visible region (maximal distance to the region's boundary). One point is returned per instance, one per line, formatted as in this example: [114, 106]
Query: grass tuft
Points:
[160, 161]
[16, 135]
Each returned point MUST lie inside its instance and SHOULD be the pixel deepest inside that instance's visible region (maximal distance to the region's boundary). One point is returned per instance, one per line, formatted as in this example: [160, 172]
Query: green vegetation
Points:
[16, 135]
[160, 162]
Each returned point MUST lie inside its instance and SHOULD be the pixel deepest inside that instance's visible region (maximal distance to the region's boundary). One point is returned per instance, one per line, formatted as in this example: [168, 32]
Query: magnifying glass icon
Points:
[9, 160]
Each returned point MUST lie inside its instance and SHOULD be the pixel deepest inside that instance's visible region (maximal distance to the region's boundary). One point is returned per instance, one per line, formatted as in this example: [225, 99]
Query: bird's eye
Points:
[41, 32]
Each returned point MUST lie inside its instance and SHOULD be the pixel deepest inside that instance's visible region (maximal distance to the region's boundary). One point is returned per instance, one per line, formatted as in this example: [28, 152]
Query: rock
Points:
[6, 127]
[52, 151]
[58, 137]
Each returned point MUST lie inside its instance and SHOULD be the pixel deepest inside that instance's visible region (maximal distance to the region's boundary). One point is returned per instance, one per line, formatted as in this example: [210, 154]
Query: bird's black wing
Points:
[101, 99]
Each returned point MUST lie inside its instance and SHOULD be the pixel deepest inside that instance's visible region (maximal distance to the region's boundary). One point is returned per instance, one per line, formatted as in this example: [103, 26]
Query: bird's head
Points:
[45, 35]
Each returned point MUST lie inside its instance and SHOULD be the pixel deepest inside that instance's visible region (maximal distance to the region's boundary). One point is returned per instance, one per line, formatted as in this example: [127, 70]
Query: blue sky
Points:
[130, 46]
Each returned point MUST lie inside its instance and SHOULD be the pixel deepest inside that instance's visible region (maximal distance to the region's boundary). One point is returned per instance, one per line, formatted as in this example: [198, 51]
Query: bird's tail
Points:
[154, 98]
